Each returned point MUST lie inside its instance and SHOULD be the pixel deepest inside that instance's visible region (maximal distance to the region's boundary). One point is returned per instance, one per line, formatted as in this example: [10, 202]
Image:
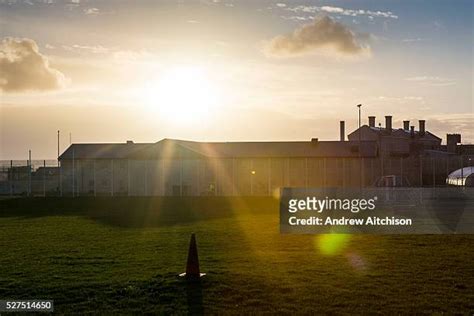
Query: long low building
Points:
[173, 167]
[177, 167]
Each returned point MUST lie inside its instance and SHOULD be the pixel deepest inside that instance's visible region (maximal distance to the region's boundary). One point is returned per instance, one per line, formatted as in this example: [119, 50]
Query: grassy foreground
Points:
[121, 256]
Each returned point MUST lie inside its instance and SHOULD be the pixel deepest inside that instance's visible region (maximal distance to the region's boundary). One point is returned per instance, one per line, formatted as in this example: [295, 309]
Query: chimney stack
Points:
[452, 141]
[406, 125]
[371, 121]
[342, 130]
[422, 127]
[388, 123]
[412, 131]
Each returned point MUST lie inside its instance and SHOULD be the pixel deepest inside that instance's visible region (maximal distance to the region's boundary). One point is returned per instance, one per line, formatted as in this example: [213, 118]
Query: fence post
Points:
[93, 174]
[251, 177]
[112, 177]
[163, 180]
[73, 170]
[216, 176]
[30, 193]
[447, 168]
[28, 162]
[270, 176]
[146, 177]
[128, 177]
[325, 175]
[306, 172]
[371, 171]
[401, 170]
[11, 178]
[233, 176]
[198, 176]
[433, 171]
[421, 171]
[60, 179]
[344, 172]
[381, 166]
[44, 178]
[181, 176]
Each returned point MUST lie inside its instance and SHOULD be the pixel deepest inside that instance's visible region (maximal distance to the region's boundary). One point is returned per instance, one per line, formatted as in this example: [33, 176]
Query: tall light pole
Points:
[359, 106]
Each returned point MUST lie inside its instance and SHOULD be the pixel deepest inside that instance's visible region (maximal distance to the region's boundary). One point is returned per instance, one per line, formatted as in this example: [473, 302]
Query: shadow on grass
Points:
[134, 212]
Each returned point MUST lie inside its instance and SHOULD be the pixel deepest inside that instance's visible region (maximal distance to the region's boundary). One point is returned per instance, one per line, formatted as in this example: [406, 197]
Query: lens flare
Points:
[357, 262]
[332, 244]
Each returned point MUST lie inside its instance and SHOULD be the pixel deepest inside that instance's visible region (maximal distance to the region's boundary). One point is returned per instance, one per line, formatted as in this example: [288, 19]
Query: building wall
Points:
[225, 177]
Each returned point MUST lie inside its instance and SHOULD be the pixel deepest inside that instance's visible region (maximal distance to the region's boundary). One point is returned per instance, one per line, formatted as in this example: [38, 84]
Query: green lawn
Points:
[123, 256]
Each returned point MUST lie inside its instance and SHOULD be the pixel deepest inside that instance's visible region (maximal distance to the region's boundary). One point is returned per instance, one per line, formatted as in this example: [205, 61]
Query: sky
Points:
[222, 70]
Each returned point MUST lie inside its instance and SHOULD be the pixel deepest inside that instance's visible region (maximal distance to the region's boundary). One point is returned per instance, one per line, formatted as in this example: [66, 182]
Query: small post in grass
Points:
[192, 265]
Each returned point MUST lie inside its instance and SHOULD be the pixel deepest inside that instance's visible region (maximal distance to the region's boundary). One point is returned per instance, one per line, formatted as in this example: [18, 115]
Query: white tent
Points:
[461, 177]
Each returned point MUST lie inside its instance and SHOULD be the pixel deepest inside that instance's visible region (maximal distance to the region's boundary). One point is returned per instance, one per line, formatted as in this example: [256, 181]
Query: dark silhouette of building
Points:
[179, 167]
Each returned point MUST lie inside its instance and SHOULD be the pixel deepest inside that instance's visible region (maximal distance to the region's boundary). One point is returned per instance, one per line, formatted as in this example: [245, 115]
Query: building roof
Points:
[102, 151]
[183, 148]
[397, 132]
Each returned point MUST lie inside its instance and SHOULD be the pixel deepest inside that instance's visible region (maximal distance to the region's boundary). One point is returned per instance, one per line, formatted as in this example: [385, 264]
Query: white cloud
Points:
[332, 9]
[95, 49]
[23, 68]
[412, 40]
[92, 11]
[342, 11]
[432, 80]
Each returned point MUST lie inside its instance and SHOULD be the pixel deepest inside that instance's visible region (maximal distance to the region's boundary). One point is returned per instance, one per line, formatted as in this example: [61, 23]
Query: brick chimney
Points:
[422, 127]
[371, 121]
[412, 131]
[406, 125]
[342, 130]
[388, 123]
[452, 141]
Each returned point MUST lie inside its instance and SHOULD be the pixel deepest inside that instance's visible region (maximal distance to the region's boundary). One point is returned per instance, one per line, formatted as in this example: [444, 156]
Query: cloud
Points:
[432, 81]
[23, 68]
[332, 9]
[320, 35]
[453, 123]
[413, 40]
[342, 11]
[91, 11]
[94, 49]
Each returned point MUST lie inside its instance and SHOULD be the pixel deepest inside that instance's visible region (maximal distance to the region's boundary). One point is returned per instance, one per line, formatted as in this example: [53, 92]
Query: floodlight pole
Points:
[360, 147]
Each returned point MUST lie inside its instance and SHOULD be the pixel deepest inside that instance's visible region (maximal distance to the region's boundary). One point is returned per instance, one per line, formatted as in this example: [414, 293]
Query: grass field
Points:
[123, 256]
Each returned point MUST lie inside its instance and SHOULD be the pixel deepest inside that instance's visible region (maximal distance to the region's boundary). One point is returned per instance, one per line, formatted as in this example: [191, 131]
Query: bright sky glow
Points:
[109, 71]
[182, 95]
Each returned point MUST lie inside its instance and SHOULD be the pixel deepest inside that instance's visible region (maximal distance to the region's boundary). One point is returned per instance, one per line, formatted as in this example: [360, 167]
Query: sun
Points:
[182, 94]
